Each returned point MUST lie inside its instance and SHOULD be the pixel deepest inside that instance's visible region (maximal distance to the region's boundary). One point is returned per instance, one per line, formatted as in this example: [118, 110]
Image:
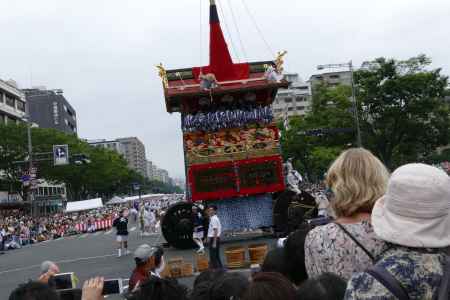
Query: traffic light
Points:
[60, 155]
[80, 159]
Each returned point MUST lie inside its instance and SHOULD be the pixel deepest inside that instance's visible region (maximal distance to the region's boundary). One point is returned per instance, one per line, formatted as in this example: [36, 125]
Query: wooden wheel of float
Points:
[177, 226]
[291, 210]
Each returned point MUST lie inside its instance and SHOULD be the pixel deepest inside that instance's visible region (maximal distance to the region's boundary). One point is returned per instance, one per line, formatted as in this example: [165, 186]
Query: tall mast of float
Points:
[220, 59]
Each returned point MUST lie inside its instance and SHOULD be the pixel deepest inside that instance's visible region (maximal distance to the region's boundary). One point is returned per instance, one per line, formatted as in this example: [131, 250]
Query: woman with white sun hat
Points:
[413, 218]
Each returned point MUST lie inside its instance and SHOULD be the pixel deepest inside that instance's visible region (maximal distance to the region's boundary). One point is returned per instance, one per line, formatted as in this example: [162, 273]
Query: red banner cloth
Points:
[220, 61]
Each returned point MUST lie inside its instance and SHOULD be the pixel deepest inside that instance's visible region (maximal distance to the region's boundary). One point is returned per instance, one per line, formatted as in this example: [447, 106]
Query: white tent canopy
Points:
[115, 200]
[84, 205]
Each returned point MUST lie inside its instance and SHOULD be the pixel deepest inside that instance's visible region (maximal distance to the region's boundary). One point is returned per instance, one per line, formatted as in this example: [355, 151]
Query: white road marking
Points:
[109, 232]
[133, 229]
[83, 236]
[97, 233]
[58, 262]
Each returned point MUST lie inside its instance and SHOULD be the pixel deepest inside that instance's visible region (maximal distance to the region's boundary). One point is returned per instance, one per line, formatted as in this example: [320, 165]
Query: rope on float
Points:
[252, 17]
[227, 29]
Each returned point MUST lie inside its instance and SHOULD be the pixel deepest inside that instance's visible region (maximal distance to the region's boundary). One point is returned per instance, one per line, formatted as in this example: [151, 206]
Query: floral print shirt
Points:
[419, 273]
[329, 249]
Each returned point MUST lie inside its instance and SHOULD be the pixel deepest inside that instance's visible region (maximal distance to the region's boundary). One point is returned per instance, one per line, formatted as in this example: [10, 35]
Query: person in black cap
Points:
[149, 262]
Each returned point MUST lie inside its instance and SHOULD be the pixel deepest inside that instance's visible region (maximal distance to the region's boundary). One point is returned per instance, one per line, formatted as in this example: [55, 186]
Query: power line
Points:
[201, 34]
[237, 30]
[258, 29]
[227, 29]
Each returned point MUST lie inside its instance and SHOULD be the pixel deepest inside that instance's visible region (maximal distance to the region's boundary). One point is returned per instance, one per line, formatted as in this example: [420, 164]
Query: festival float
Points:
[231, 141]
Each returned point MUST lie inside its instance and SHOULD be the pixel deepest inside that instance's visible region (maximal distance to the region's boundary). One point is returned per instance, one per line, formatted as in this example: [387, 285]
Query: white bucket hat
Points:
[415, 211]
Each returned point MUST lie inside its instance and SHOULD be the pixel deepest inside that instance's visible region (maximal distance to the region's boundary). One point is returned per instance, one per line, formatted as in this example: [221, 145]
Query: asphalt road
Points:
[87, 255]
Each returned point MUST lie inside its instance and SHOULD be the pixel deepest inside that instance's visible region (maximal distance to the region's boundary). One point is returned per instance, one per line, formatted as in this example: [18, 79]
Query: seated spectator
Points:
[149, 261]
[357, 179]
[270, 286]
[414, 219]
[229, 286]
[324, 287]
[33, 291]
[160, 289]
[276, 261]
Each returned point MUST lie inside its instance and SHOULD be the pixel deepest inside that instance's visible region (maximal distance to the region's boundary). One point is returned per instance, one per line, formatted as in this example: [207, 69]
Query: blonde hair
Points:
[358, 179]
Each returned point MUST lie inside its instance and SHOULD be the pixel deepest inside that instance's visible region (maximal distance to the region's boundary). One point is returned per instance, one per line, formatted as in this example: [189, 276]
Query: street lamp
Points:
[27, 119]
[348, 65]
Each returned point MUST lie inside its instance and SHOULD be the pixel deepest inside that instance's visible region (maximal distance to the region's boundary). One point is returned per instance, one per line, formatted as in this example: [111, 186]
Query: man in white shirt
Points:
[214, 232]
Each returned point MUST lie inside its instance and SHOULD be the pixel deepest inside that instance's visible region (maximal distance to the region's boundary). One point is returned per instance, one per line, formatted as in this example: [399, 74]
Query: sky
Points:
[102, 53]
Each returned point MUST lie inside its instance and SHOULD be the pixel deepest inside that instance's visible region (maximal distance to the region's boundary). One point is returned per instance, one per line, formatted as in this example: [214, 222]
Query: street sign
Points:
[60, 155]
[25, 178]
[136, 186]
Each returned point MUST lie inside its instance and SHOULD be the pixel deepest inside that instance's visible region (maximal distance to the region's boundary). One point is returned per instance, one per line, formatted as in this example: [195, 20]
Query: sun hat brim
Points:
[407, 231]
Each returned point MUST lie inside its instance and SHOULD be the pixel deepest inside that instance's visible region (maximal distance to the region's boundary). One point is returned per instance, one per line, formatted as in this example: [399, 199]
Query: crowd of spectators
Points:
[389, 239]
[18, 228]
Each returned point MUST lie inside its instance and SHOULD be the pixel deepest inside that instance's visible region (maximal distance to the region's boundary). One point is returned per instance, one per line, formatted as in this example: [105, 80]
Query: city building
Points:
[149, 169]
[293, 101]
[50, 109]
[135, 154]
[181, 183]
[332, 78]
[107, 144]
[49, 197]
[12, 103]
[161, 175]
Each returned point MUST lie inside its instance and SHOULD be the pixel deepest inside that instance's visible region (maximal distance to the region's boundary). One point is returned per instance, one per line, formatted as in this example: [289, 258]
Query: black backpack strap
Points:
[389, 282]
[356, 241]
[444, 289]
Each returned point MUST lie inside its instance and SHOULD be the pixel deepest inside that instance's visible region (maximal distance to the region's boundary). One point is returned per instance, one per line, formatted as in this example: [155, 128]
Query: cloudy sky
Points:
[102, 52]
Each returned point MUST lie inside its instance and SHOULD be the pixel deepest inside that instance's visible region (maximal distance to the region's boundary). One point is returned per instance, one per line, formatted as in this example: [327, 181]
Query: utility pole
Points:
[30, 165]
[354, 101]
[355, 107]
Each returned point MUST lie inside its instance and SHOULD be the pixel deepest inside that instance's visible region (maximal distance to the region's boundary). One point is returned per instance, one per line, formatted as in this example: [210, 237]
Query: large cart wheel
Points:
[177, 226]
[291, 210]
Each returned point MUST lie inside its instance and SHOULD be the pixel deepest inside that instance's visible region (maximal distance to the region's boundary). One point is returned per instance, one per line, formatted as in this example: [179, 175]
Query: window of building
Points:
[10, 120]
[21, 106]
[10, 101]
[290, 109]
[300, 107]
[287, 100]
[70, 112]
[299, 99]
[319, 77]
[55, 113]
[335, 76]
[1, 97]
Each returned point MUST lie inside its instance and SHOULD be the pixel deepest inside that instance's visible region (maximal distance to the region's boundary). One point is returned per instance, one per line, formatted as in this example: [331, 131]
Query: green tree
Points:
[106, 175]
[404, 116]
[331, 108]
